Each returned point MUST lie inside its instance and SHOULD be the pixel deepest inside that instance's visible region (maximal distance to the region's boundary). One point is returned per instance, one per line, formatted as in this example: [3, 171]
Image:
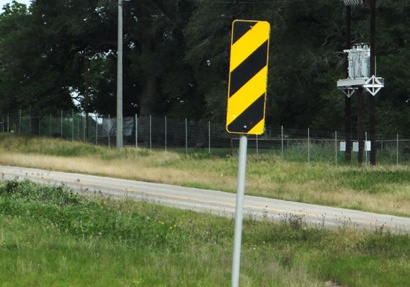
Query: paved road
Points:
[211, 201]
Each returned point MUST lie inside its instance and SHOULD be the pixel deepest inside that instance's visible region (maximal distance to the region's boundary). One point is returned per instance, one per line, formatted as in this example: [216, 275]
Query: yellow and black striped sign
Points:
[248, 71]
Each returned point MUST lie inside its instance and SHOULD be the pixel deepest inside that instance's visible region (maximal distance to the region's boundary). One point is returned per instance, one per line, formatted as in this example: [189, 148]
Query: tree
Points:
[154, 33]
[208, 43]
[302, 51]
[392, 55]
[12, 20]
[176, 58]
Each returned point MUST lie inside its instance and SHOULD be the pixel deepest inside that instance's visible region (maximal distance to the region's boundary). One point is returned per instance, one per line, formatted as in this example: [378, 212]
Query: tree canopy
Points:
[176, 58]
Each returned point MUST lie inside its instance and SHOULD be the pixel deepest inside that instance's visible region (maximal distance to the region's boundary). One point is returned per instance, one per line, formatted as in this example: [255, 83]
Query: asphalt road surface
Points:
[211, 201]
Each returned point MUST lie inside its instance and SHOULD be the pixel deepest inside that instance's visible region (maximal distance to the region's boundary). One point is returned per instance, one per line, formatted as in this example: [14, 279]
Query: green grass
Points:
[375, 181]
[50, 236]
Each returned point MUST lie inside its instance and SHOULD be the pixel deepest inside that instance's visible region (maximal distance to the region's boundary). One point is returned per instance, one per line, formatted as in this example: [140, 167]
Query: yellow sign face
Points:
[248, 72]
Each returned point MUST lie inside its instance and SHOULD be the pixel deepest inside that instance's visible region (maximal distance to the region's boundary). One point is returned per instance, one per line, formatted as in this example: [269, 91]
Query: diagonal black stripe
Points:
[240, 29]
[249, 118]
[248, 68]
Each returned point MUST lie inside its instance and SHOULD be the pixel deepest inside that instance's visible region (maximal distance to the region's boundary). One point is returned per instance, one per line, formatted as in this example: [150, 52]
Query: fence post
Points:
[257, 146]
[308, 145]
[49, 125]
[365, 147]
[136, 130]
[84, 126]
[8, 123]
[109, 131]
[72, 125]
[209, 137]
[150, 132]
[20, 115]
[61, 124]
[79, 128]
[29, 123]
[39, 125]
[281, 141]
[186, 136]
[166, 132]
[397, 149]
[336, 147]
[96, 129]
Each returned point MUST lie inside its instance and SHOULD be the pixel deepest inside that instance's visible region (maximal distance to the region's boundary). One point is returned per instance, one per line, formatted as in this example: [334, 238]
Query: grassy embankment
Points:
[51, 237]
[381, 189]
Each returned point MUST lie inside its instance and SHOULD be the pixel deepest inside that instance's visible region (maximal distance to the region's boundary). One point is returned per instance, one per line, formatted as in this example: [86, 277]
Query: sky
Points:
[4, 2]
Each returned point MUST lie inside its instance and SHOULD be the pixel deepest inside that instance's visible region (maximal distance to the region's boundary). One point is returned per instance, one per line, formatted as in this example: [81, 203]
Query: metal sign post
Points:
[240, 195]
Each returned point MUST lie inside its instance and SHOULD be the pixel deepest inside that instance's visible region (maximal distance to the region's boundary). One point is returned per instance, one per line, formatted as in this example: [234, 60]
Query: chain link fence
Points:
[206, 137]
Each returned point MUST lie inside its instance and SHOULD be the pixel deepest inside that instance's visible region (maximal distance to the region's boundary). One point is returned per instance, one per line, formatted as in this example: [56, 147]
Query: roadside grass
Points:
[381, 189]
[50, 236]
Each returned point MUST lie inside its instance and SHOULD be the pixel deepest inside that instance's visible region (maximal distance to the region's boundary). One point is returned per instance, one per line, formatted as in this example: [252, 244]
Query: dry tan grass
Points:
[154, 167]
[144, 169]
[323, 193]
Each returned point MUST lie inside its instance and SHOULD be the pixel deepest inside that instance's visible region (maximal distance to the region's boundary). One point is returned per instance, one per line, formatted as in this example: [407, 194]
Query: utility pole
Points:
[360, 131]
[349, 86]
[119, 77]
[348, 100]
[372, 101]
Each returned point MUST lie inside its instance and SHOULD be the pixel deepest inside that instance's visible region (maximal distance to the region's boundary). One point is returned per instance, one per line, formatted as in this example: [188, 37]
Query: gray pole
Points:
[72, 125]
[372, 120]
[336, 147]
[397, 149]
[186, 136]
[84, 126]
[96, 129]
[20, 115]
[119, 77]
[109, 131]
[281, 140]
[79, 121]
[360, 125]
[365, 146]
[136, 130]
[61, 124]
[166, 132]
[209, 137]
[150, 132]
[240, 195]
[348, 101]
[308, 145]
[257, 146]
[49, 125]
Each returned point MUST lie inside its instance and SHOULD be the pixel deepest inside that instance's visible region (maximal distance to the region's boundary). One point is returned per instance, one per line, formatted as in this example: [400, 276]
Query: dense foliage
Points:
[176, 58]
